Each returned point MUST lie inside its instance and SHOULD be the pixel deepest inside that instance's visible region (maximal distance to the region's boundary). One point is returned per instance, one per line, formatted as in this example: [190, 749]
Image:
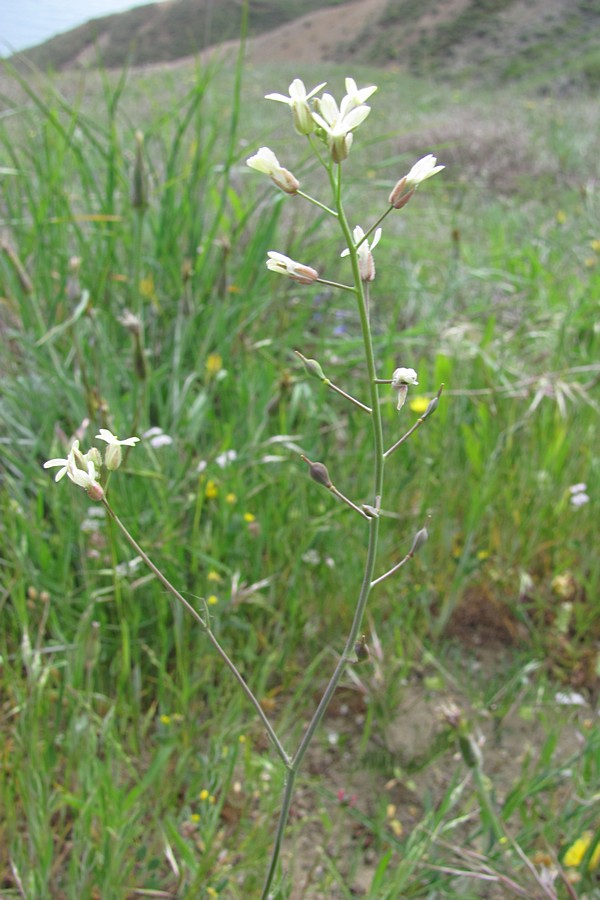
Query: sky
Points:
[24, 23]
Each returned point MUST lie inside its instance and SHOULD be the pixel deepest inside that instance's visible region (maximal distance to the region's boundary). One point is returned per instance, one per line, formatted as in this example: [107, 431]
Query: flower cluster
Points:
[334, 125]
[83, 469]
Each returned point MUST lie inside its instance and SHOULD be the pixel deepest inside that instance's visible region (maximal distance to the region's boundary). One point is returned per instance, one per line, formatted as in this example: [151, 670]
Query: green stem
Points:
[322, 206]
[361, 603]
[349, 397]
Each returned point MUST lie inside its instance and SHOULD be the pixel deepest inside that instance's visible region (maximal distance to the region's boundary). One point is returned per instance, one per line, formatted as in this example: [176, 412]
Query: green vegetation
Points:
[157, 33]
[130, 761]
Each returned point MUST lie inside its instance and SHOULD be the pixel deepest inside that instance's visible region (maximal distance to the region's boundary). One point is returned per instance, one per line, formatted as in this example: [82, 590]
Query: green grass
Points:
[116, 715]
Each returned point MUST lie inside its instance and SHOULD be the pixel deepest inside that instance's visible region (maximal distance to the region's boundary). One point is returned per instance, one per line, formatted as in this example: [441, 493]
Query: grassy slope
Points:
[117, 716]
[505, 39]
[164, 32]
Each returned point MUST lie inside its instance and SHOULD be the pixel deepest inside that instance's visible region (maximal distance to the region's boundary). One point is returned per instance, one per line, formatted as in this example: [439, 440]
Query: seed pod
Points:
[318, 472]
[420, 538]
[433, 405]
[361, 649]
[312, 367]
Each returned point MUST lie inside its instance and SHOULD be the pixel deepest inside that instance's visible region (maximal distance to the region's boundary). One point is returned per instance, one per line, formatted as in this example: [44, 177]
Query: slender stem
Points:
[393, 570]
[404, 437]
[310, 199]
[349, 397]
[348, 502]
[336, 284]
[377, 431]
[374, 226]
[417, 424]
[205, 626]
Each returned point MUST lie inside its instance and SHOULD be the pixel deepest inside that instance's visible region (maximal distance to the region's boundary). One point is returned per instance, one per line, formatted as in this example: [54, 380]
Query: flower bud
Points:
[113, 456]
[399, 200]
[312, 367]
[286, 181]
[95, 491]
[318, 472]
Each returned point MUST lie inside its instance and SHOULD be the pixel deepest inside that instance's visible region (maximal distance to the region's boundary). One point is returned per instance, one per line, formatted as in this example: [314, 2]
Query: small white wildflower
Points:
[366, 263]
[401, 379]
[266, 162]
[223, 459]
[579, 496]
[404, 376]
[338, 124]
[579, 499]
[569, 698]
[298, 102]
[85, 478]
[277, 262]
[161, 440]
[355, 96]
[157, 438]
[113, 454]
[421, 171]
[63, 463]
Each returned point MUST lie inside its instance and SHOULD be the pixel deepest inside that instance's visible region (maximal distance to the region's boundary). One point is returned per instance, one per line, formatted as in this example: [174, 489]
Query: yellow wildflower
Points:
[248, 517]
[211, 490]
[419, 404]
[195, 817]
[204, 794]
[214, 576]
[166, 720]
[212, 600]
[214, 364]
[595, 245]
[230, 498]
[574, 855]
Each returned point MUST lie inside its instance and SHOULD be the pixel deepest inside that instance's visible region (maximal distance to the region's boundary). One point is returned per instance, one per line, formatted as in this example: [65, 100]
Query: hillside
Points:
[550, 40]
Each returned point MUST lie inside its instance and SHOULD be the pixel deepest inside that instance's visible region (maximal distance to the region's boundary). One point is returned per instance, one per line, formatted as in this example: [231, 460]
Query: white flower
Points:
[298, 101]
[355, 96]
[80, 469]
[80, 459]
[113, 454]
[277, 262]
[63, 463]
[579, 497]
[404, 376]
[366, 264]
[85, 478]
[338, 124]
[401, 379]
[266, 162]
[421, 171]
[223, 459]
